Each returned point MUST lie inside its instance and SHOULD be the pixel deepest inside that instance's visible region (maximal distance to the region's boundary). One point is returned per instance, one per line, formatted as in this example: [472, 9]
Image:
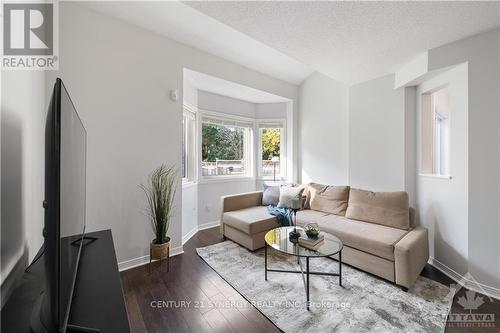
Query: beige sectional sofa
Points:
[377, 228]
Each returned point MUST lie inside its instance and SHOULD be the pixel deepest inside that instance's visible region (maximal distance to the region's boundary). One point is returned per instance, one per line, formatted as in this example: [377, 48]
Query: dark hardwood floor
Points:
[193, 287]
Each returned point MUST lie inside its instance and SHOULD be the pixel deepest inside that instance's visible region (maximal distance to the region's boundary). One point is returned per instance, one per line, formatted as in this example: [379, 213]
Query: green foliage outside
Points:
[270, 143]
[221, 142]
[226, 143]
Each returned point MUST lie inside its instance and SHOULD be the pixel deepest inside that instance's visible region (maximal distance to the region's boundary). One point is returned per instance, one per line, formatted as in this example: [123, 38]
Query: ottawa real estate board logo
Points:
[30, 36]
[471, 302]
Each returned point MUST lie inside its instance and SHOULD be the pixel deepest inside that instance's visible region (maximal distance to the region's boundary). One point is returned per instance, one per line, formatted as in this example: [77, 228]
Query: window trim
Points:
[249, 160]
[190, 112]
[431, 175]
[283, 145]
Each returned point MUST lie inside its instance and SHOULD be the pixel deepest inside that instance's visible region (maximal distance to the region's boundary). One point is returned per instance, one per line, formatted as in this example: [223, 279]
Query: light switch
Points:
[174, 95]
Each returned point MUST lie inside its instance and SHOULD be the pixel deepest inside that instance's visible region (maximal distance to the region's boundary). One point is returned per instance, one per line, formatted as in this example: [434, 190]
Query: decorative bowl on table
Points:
[312, 230]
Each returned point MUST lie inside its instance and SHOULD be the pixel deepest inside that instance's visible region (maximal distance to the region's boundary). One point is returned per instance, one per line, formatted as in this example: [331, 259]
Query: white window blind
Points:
[271, 124]
[226, 122]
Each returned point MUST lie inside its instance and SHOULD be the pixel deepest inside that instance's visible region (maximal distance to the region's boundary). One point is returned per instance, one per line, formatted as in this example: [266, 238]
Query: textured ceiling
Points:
[354, 41]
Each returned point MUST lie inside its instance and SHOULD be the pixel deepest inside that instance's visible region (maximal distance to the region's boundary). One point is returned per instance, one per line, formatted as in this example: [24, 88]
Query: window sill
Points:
[430, 175]
[188, 183]
[267, 179]
[222, 179]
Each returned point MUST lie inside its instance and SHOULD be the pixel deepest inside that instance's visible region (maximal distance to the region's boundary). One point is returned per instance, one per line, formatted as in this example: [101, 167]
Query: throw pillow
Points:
[270, 195]
[328, 198]
[291, 197]
[306, 197]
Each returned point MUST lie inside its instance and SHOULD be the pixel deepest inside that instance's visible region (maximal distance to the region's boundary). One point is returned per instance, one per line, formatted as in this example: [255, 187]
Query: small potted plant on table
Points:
[160, 193]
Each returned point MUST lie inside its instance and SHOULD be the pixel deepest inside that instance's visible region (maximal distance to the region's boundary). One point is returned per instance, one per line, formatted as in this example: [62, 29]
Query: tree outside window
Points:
[271, 153]
[223, 149]
[271, 139]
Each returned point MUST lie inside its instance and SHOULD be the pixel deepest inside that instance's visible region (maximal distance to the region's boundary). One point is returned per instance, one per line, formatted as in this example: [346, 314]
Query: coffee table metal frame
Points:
[307, 272]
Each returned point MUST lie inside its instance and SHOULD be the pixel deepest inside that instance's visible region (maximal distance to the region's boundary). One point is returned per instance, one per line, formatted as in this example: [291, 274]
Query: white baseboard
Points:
[10, 278]
[190, 234]
[128, 264]
[209, 225]
[467, 283]
[203, 226]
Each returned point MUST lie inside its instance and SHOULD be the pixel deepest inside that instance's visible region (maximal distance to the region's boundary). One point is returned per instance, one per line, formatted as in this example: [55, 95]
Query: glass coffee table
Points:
[279, 240]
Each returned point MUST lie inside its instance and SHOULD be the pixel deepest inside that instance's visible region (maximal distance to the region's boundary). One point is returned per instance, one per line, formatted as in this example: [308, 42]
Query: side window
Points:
[271, 159]
[435, 135]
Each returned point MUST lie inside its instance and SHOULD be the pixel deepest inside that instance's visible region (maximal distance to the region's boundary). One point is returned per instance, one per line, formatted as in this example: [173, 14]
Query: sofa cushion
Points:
[306, 216]
[250, 220]
[387, 208]
[270, 195]
[372, 238]
[328, 198]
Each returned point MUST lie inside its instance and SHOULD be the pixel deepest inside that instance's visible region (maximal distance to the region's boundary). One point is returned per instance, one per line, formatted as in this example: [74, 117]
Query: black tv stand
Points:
[84, 238]
[98, 304]
[80, 329]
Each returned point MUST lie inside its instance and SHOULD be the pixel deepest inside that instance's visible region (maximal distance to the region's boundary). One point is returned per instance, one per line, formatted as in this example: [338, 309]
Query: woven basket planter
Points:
[160, 251]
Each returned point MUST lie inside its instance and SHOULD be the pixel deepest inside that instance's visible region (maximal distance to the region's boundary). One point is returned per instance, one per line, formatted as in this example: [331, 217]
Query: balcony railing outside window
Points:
[268, 168]
[223, 168]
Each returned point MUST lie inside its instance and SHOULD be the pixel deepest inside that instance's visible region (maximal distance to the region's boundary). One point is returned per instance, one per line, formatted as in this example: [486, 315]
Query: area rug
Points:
[364, 303]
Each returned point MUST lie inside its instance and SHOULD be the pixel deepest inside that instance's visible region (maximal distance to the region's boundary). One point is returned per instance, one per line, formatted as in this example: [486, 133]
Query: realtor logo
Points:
[470, 302]
[29, 36]
[28, 29]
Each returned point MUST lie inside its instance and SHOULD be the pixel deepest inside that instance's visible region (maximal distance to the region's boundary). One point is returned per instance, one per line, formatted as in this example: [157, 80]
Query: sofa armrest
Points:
[410, 256]
[239, 201]
[413, 217]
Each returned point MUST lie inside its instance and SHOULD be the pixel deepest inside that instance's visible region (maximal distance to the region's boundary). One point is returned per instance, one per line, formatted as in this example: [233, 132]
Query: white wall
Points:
[119, 77]
[209, 194]
[442, 203]
[224, 104]
[189, 92]
[356, 135]
[23, 112]
[482, 53]
[377, 135]
[270, 111]
[323, 132]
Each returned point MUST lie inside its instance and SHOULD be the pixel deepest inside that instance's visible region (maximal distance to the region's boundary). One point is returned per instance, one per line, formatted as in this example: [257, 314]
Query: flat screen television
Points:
[64, 204]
